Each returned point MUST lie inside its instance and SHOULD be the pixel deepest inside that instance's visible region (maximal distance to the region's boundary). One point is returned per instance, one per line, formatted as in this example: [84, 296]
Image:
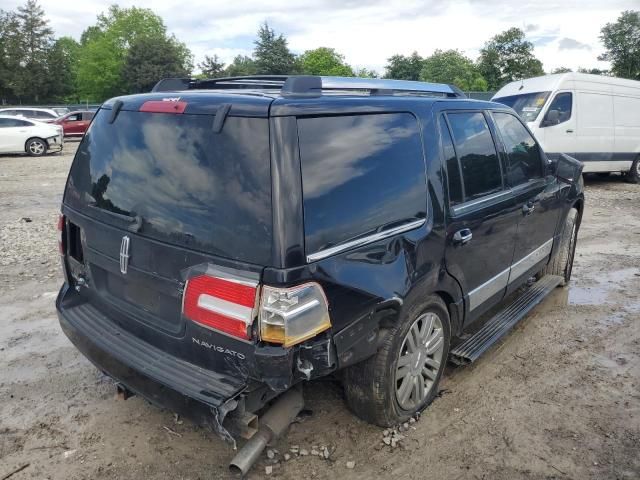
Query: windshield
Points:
[178, 181]
[527, 105]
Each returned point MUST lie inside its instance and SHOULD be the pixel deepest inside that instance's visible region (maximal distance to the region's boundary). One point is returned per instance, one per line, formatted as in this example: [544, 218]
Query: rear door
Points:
[481, 226]
[535, 194]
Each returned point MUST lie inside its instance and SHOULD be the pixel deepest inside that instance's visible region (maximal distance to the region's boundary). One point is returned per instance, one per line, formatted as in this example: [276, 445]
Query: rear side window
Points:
[474, 145]
[189, 186]
[360, 174]
[523, 153]
[453, 168]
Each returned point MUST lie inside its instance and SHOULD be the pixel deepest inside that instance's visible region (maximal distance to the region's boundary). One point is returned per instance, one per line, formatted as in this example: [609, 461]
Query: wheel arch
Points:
[35, 137]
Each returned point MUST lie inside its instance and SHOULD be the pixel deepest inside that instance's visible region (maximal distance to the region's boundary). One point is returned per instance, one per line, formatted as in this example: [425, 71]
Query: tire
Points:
[634, 174]
[562, 262]
[36, 147]
[376, 389]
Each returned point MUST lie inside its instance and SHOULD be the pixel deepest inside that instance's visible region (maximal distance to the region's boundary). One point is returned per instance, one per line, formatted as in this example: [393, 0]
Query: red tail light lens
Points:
[61, 222]
[163, 106]
[222, 304]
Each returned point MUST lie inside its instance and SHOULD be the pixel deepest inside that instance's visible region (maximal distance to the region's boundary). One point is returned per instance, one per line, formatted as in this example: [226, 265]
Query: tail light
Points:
[292, 315]
[61, 222]
[224, 304]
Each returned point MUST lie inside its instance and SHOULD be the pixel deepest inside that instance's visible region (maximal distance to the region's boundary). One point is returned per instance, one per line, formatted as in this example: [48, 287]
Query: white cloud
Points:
[367, 34]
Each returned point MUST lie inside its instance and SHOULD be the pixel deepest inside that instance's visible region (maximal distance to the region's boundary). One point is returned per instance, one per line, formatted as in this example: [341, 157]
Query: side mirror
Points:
[568, 169]
[551, 118]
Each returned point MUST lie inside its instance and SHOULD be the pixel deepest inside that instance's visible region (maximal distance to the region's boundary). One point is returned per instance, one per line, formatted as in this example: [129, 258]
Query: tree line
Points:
[128, 50]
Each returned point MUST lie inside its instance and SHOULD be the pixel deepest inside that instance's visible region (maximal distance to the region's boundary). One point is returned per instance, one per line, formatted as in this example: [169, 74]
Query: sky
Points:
[565, 33]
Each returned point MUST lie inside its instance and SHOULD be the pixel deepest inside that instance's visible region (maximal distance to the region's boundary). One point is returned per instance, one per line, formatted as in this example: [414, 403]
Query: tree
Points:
[211, 67]
[150, 59]
[404, 68]
[36, 39]
[105, 48]
[324, 61]
[62, 61]
[366, 73]
[451, 66]
[561, 70]
[241, 66]
[10, 55]
[594, 71]
[507, 57]
[272, 54]
[621, 40]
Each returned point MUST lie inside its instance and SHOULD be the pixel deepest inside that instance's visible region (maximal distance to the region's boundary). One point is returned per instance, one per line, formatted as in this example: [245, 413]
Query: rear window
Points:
[360, 174]
[188, 185]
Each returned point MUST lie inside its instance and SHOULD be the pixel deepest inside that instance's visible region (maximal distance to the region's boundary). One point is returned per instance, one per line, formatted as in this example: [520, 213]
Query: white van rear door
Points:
[595, 127]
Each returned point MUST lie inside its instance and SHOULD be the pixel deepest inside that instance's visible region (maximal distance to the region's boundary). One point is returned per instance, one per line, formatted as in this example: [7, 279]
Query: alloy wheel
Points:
[419, 361]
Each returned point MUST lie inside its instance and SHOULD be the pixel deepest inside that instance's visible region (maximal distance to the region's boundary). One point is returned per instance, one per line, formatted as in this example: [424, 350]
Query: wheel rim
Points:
[36, 148]
[419, 361]
[638, 168]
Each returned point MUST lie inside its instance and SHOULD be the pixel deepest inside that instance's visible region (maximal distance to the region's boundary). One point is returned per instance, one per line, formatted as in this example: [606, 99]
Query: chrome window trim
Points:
[463, 207]
[529, 260]
[327, 252]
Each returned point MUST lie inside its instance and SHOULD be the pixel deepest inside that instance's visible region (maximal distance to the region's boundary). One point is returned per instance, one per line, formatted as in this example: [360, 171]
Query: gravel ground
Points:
[558, 398]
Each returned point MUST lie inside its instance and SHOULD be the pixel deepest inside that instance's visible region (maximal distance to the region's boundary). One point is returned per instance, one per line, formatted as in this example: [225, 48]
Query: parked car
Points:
[225, 240]
[593, 118]
[19, 135]
[40, 114]
[75, 123]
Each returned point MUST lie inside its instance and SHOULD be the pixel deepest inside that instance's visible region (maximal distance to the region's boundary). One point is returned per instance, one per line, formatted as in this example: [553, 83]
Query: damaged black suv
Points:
[225, 240]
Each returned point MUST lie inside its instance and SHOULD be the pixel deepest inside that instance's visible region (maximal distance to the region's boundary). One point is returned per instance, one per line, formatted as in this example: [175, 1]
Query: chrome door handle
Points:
[462, 236]
[569, 130]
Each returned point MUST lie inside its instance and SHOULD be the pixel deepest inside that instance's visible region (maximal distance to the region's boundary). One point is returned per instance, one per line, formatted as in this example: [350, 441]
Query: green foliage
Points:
[451, 66]
[10, 55]
[241, 66]
[594, 71]
[63, 69]
[324, 61]
[366, 73]
[621, 41]
[507, 57]
[106, 47]
[272, 55]
[211, 67]
[150, 59]
[561, 70]
[400, 67]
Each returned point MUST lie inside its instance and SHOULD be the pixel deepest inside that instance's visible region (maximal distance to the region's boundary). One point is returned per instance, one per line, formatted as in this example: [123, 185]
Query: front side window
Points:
[361, 174]
[559, 110]
[76, 117]
[523, 153]
[476, 151]
[527, 105]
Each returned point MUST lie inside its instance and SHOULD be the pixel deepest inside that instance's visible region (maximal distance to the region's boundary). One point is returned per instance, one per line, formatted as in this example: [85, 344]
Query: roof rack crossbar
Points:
[311, 85]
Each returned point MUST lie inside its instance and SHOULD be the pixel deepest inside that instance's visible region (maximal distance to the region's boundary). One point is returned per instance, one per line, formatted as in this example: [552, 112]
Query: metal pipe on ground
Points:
[273, 424]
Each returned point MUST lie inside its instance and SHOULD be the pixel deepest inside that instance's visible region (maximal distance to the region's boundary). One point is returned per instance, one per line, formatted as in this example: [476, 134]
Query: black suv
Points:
[224, 240]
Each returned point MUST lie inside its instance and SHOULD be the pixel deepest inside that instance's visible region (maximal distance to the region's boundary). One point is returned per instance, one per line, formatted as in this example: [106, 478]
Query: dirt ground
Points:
[558, 398]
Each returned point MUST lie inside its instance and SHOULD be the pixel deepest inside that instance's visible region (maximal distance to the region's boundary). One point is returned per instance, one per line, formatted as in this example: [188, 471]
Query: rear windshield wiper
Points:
[135, 221]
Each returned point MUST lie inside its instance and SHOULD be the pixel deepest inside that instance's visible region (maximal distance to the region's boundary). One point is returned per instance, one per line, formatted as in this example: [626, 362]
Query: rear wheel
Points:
[634, 174]
[402, 378]
[36, 147]
[562, 263]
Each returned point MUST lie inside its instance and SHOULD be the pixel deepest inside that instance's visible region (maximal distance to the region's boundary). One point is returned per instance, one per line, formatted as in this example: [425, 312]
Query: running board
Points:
[503, 321]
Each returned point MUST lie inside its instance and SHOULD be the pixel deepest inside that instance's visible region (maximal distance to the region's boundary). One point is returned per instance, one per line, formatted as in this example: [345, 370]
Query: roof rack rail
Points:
[312, 86]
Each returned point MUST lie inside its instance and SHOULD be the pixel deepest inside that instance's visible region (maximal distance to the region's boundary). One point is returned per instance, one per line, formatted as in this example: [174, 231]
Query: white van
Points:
[593, 118]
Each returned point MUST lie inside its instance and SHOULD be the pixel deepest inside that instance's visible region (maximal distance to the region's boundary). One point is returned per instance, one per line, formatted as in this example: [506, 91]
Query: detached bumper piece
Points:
[503, 321]
[169, 382]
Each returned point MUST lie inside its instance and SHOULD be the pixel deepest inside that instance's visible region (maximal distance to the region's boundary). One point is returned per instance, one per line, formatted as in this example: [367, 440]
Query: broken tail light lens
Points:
[61, 222]
[222, 304]
[289, 316]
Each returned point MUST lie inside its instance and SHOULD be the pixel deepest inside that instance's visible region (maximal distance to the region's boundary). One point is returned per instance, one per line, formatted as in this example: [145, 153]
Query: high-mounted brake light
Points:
[223, 304]
[292, 315]
[163, 106]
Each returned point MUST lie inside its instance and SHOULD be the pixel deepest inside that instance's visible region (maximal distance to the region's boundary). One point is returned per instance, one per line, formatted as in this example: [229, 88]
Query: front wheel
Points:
[634, 174]
[36, 147]
[562, 262]
[402, 378]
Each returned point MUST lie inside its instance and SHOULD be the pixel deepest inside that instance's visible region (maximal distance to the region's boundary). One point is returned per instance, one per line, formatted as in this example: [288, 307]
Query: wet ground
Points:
[558, 398]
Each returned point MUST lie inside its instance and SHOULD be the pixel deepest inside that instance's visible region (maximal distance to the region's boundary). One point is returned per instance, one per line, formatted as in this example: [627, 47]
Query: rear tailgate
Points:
[155, 198]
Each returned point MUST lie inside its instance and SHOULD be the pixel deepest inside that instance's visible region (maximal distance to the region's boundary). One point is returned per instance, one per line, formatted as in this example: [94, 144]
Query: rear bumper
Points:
[164, 380]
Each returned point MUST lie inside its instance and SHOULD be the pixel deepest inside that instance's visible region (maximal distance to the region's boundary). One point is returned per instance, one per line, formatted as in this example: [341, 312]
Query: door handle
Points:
[569, 130]
[528, 208]
[462, 236]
